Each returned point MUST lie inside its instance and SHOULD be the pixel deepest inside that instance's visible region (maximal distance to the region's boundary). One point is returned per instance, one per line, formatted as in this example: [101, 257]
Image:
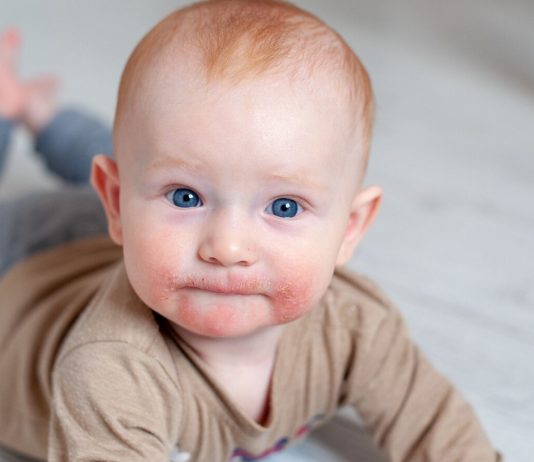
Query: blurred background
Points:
[453, 150]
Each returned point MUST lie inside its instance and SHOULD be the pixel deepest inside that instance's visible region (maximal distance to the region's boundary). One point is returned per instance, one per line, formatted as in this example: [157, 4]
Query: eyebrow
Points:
[298, 180]
[172, 162]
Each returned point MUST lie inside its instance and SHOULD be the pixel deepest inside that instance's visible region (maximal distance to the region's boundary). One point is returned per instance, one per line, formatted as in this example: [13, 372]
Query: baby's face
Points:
[234, 204]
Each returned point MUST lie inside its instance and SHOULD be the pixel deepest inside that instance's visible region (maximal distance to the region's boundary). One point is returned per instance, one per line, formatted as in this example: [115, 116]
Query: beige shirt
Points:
[88, 372]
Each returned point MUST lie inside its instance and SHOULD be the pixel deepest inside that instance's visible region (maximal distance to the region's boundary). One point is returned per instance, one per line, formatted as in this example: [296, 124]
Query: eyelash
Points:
[282, 203]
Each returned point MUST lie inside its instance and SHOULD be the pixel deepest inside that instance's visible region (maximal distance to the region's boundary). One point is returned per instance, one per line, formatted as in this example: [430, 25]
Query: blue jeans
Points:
[39, 221]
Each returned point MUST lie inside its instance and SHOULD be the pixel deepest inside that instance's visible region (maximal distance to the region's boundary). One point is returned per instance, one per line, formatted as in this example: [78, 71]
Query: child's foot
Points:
[40, 103]
[11, 89]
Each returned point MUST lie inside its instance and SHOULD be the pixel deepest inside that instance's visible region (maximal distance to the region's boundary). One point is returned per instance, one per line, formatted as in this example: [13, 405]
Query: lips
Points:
[223, 283]
[222, 290]
[227, 285]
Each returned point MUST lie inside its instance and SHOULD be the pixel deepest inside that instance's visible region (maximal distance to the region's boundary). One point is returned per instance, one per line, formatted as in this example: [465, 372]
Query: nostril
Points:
[226, 262]
[226, 250]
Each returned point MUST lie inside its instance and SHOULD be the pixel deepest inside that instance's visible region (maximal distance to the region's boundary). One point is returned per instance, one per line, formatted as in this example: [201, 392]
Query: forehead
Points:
[234, 136]
[267, 115]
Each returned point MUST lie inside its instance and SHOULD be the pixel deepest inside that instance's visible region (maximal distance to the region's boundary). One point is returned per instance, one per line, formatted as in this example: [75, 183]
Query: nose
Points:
[228, 241]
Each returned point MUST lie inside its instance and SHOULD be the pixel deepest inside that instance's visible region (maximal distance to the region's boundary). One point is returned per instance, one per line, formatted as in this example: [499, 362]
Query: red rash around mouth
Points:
[220, 312]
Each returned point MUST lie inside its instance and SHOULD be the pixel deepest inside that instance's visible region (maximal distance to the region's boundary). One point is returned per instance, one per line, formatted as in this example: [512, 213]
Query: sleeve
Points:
[113, 403]
[6, 127]
[412, 412]
[69, 143]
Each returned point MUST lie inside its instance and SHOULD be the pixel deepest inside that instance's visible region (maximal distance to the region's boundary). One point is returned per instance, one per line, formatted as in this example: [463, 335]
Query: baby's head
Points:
[241, 139]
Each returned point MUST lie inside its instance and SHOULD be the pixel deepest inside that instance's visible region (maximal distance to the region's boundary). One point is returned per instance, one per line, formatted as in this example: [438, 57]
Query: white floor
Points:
[454, 152]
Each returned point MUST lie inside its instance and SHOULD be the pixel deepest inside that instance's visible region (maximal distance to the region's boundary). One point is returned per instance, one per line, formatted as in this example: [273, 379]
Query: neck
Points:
[253, 350]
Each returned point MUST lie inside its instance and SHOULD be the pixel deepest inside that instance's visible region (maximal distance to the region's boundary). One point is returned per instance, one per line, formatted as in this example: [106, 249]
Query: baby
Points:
[217, 323]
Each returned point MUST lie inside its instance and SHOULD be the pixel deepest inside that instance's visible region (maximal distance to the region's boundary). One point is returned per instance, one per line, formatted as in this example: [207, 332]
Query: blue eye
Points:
[284, 208]
[185, 198]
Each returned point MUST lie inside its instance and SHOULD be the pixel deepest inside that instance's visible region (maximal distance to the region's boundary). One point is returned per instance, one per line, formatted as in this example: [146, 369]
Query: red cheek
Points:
[161, 287]
[293, 296]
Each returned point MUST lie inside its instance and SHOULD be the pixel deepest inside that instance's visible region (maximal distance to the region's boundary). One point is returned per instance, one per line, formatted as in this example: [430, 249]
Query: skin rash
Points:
[226, 307]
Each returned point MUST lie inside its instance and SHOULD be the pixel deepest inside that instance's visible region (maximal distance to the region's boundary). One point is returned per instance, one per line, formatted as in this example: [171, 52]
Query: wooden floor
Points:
[454, 151]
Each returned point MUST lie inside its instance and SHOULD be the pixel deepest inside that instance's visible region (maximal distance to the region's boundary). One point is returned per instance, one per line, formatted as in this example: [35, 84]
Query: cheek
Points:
[297, 291]
[303, 275]
[148, 261]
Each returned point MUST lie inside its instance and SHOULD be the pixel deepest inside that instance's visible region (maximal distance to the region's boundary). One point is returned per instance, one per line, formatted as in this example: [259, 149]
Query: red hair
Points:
[243, 39]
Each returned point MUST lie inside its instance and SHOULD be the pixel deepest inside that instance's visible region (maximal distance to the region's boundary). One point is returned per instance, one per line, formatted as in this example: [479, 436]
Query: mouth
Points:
[221, 290]
[228, 284]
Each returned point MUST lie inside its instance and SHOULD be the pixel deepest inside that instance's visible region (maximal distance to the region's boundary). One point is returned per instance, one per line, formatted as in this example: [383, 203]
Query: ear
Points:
[363, 211]
[105, 181]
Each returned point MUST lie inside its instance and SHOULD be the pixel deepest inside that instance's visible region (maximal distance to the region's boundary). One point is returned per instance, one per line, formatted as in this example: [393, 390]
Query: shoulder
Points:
[359, 287]
[112, 369]
[356, 304]
[117, 323]
[58, 268]
[116, 394]
[116, 365]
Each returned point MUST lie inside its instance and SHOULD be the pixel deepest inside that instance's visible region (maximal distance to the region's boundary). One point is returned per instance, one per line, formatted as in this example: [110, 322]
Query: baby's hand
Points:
[11, 89]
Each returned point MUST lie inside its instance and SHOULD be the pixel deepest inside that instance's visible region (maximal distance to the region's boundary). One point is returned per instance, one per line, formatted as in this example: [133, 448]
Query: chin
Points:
[219, 331]
[214, 315]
